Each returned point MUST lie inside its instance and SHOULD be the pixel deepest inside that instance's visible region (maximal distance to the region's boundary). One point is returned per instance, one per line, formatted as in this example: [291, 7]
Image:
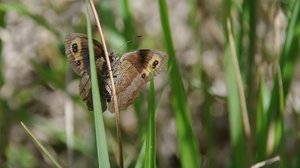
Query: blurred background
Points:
[38, 87]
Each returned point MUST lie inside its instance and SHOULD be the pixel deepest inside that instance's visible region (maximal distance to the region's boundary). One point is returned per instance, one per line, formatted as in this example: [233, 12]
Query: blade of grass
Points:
[4, 115]
[239, 81]
[279, 139]
[288, 60]
[290, 51]
[207, 119]
[261, 113]
[150, 158]
[69, 120]
[193, 13]
[102, 151]
[113, 88]
[129, 30]
[141, 158]
[129, 35]
[297, 157]
[238, 116]
[237, 139]
[250, 66]
[188, 147]
[43, 149]
[2, 25]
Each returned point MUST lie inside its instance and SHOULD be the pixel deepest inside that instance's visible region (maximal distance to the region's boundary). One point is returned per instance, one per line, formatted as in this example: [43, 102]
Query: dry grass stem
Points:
[119, 135]
[42, 147]
[69, 126]
[266, 162]
[239, 81]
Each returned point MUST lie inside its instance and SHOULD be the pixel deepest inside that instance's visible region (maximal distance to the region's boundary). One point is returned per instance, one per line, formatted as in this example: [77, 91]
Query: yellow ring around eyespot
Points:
[147, 71]
[77, 55]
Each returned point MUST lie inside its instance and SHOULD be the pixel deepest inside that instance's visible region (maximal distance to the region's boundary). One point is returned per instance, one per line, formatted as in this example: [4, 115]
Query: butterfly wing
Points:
[145, 59]
[78, 55]
[133, 72]
[85, 90]
[77, 51]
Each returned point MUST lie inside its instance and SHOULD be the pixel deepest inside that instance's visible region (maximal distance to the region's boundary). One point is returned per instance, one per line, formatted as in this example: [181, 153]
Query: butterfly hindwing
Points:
[133, 72]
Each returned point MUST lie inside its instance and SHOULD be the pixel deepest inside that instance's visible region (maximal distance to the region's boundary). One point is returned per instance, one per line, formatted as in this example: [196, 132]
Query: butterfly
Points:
[130, 72]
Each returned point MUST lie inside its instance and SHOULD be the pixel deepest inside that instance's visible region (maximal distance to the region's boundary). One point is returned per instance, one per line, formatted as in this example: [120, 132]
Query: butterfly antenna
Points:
[128, 43]
[122, 46]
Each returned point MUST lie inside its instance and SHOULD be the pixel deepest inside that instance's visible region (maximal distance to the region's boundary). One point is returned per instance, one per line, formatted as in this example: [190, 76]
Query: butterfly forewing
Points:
[76, 46]
[77, 51]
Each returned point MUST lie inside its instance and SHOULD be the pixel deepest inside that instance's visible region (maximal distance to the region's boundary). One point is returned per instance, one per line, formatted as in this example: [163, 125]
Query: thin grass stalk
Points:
[102, 150]
[129, 29]
[69, 120]
[239, 82]
[207, 120]
[188, 147]
[69, 127]
[280, 139]
[193, 14]
[250, 65]
[237, 136]
[237, 130]
[4, 115]
[297, 157]
[42, 147]
[150, 158]
[141, 158]
[129, 34]
[115, 99]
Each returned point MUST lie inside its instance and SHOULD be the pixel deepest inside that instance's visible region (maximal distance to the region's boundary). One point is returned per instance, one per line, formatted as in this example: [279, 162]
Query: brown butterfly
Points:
[130, 72]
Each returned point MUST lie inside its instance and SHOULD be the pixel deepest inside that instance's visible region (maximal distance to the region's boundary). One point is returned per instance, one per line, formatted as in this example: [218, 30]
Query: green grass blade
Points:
[207, 120]
[193, 14]
[150, 158]
[297, 164]
[129, 34]
[129, 30]
[141, 158]
[4, 115]
[188, 147]
[261, 111]
[290, 51]
[102, 151]
[237, 138]
[2, 25]
[251, 67]
[288, 60]
[43, 149]
[237, 108]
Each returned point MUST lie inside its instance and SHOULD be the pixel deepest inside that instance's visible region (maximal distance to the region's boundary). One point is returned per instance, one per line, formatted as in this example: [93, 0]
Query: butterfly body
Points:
[130, 72]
